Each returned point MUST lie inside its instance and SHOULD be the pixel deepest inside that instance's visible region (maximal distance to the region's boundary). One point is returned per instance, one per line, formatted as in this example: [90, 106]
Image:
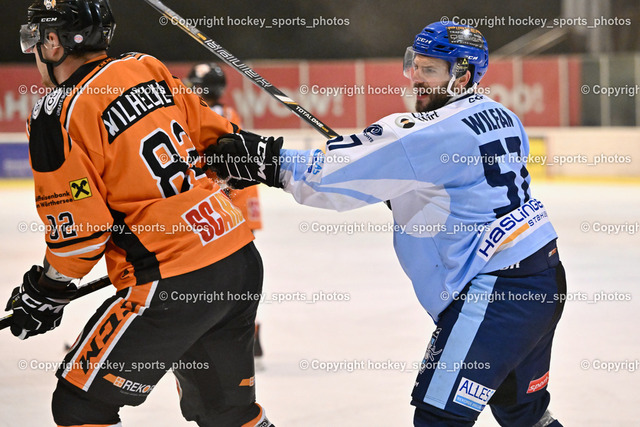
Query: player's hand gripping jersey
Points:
[458, 185]
[115, 157]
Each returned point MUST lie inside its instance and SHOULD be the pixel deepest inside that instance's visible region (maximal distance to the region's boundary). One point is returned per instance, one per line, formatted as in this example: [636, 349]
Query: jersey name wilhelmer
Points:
[134, 104]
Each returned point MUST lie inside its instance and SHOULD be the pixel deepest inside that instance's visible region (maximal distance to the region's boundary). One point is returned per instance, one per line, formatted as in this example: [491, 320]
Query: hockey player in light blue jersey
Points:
[477, 245]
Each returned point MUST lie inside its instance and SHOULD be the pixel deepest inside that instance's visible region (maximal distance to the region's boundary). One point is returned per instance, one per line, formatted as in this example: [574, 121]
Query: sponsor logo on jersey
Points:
[80, 189]
[213, 217]
[511, 228]
[375, 130]
[426, 116]
[128, 385]
[538, 384]
[472, 394]
[51, 199]
[405, 122]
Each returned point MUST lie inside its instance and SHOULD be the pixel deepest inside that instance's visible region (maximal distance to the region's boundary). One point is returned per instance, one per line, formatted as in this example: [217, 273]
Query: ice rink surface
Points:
[381, 322]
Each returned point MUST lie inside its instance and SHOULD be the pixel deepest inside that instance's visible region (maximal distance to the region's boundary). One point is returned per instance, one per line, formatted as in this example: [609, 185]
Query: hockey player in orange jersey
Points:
[114, 149]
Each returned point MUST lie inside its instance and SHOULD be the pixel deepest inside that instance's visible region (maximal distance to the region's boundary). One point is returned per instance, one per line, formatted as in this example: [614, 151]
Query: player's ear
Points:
[52, 42]
[464, 80]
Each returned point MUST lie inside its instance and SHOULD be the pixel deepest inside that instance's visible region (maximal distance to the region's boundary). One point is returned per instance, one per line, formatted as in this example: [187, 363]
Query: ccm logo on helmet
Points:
[423, 40]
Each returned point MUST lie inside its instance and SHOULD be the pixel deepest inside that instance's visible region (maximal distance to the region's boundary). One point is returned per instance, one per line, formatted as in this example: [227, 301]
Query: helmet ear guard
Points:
[460, 67]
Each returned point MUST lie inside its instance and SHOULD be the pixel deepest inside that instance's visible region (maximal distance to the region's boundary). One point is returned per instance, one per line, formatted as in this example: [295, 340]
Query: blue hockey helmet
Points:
[463, 46]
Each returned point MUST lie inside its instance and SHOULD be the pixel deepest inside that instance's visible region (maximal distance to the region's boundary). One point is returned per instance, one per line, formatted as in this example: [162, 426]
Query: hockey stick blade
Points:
[242, 68]
[90, 287]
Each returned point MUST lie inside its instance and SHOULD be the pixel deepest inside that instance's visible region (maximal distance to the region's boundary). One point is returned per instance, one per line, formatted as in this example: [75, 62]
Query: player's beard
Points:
[432, 100]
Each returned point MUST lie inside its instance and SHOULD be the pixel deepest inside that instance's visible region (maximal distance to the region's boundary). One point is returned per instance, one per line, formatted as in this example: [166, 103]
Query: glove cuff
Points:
[36, 282]
[276, 146]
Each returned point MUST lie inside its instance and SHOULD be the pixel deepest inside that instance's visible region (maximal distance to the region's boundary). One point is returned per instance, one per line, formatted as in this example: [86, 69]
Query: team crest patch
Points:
[80, 189]
[472, 394]
[49, 4]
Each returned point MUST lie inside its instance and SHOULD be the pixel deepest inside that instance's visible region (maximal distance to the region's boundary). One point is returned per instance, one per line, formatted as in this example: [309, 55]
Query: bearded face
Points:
[430, 78]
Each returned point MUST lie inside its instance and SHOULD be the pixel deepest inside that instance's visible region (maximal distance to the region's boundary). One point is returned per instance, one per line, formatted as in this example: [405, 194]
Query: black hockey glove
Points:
[245, 159]
[37, 305]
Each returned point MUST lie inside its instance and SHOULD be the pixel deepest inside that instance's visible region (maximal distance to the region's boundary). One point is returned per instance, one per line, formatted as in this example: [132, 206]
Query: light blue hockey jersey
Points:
[458, 185]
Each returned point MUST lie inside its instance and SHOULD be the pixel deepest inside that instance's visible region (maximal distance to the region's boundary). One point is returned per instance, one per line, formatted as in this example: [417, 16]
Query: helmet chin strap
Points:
[450, 85]
[462, 91]
[51, 64]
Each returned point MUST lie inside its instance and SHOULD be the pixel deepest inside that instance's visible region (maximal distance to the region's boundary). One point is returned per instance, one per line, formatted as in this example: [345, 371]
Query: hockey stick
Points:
[242, 68]
[90, 287]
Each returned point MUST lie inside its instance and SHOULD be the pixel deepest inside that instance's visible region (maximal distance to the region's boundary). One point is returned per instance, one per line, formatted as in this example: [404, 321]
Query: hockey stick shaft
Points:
[242, 68]
[90, 287]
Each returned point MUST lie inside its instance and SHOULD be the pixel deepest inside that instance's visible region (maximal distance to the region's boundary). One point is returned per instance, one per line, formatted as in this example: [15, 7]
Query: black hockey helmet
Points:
[81, 25]
[210, 77]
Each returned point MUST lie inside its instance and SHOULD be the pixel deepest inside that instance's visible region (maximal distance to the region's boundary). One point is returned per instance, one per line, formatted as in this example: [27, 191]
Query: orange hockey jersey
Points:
[115, 155]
